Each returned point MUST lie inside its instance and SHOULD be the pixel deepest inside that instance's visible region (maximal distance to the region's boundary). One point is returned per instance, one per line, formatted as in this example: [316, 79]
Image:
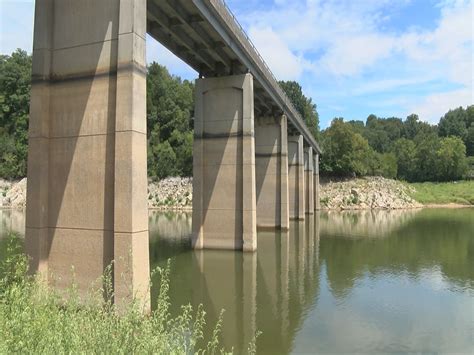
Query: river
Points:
[368, 281]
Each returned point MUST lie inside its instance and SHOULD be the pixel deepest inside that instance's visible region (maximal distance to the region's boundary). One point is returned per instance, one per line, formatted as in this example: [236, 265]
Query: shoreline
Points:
[189, 209]
[175, 194]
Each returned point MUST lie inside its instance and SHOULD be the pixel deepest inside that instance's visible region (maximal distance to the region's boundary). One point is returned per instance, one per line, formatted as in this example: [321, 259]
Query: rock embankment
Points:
[13, 194]
[366, 193]
[177, 194]
[172, 193]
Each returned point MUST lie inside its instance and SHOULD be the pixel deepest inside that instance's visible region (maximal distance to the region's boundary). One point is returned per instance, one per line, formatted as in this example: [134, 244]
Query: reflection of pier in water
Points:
[271, 290]
[12, 220]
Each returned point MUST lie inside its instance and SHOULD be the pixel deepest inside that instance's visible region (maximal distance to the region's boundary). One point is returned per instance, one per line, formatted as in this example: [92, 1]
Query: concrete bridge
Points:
[87, 164]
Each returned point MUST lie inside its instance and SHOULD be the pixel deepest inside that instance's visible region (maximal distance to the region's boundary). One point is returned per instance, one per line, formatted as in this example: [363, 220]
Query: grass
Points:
[34, 319]
[459, 192]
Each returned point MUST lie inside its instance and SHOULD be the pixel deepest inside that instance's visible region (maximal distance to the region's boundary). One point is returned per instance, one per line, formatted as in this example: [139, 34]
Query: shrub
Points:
[34, 319]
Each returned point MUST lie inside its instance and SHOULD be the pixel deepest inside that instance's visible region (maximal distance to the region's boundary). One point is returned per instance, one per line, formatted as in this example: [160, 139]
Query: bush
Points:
[34, 319]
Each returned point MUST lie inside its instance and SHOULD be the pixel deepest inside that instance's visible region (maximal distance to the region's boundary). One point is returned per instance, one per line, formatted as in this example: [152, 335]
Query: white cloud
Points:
[434, 106]
[341, 42]
[284, 64]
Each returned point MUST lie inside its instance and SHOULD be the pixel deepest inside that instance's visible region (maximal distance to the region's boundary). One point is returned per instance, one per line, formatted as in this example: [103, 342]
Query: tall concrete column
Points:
[296, 177]
[271, 172]
[317, 187]
[224, 199]
[87, 173]
[308, 180]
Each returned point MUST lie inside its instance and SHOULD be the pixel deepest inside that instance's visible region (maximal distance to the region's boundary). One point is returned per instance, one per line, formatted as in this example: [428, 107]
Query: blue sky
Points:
[352, 57]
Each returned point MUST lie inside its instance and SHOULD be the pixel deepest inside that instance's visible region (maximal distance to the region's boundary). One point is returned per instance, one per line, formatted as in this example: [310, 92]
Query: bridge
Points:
[87, 161]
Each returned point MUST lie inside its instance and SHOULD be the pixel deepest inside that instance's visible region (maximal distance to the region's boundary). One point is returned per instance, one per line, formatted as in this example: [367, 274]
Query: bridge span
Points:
[87, 162]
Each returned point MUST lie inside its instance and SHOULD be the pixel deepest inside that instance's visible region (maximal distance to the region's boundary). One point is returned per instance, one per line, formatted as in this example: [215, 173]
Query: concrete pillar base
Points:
[317, 187]
[87, 172]
[308, 180]
[296, 177]
[271, 170]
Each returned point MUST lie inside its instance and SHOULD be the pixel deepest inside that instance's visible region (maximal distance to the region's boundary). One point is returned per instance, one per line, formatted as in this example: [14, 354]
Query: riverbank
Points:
[36, 319]
[176, 194]
[431, 194]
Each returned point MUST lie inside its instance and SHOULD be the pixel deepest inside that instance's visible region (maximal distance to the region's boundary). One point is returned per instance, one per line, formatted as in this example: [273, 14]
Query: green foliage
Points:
[351, 148]
[470, 168]
[426, 159]
[15, 79]
[451, 159]
[34, 319]
[405, 153]
[345, 152]
[383, 165]
[413, 127]
[161, 160]
[410, 150]
[459, 123]
[304, 105]
[454, 123]
[170, 104]
[470, 141]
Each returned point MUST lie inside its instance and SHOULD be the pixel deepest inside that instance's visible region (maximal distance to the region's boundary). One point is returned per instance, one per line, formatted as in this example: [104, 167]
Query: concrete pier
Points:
[308, 180]
[224, 199]
[87, 172]
[87, 159]
[316, 188]
[296, 177]
[271, 170]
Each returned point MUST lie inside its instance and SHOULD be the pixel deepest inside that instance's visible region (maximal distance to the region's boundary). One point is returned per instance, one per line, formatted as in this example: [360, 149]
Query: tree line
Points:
[406, 149]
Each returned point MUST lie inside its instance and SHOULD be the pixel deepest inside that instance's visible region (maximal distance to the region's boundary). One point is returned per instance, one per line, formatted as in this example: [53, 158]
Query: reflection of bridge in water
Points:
[276, 289]
[299, 277]
[12, 220]
[272, 289]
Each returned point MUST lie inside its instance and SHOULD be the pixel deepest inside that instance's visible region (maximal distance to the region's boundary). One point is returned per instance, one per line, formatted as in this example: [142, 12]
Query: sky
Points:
[352, 57]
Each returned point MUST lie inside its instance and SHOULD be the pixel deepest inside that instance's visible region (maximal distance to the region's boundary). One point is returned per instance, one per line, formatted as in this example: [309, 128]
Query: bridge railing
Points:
[267, 72]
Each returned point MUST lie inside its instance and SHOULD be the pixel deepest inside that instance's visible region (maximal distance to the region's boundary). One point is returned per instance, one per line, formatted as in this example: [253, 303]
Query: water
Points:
[399, 281]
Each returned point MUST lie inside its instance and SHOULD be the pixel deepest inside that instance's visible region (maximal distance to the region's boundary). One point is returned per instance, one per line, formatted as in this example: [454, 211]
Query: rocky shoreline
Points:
[176, 194]
[367, 193]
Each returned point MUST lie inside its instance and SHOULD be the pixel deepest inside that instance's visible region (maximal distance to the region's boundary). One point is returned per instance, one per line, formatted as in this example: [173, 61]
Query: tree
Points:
[383, 164]
[451, 159]
[454, 123]
[15, 83]
[413, 127]
[345, 152]
[170, 105]
[405, 153]
[470, 141]
[304, 105]
[164, 161]
[426, 159]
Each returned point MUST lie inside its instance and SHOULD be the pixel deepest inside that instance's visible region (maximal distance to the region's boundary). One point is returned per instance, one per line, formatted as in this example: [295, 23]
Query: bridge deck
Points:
[205, 35]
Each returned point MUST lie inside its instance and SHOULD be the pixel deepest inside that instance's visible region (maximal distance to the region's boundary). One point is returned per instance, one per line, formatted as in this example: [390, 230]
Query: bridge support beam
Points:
[296, 177]
[87, 172]
[308, 180]
[317, 188]
[224, 199]
[271, 172]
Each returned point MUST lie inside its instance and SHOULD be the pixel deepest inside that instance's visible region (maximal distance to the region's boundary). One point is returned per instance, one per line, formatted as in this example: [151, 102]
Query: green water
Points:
[339, 282]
